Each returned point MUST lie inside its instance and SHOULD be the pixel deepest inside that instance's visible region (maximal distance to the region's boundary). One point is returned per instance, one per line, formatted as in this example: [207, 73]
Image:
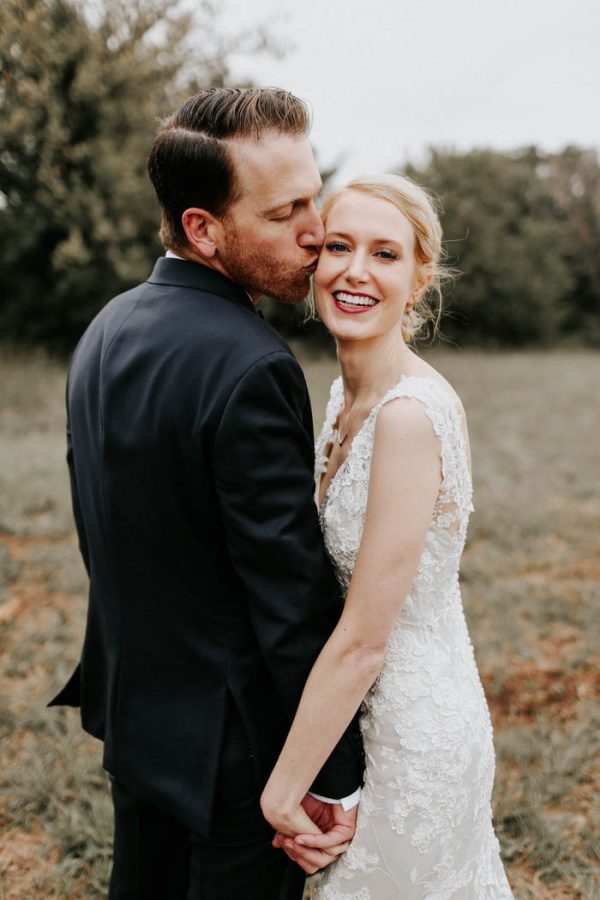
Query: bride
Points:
[394, 496]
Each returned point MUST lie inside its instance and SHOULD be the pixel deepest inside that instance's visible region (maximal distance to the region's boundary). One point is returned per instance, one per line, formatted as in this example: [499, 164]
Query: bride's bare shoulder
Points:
[404, 422]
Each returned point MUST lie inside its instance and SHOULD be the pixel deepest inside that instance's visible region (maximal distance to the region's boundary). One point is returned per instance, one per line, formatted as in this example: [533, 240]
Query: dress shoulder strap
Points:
[325, 437]
[336, 393]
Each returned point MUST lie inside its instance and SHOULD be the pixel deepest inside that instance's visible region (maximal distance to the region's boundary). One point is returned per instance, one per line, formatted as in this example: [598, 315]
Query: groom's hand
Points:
[315, 851]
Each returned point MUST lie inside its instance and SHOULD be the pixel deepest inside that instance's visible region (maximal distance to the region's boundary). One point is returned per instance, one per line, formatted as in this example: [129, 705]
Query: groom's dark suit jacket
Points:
[191, 458]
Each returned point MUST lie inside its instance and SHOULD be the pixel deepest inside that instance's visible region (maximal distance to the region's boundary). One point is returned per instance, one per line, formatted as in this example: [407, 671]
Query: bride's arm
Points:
[404, 483]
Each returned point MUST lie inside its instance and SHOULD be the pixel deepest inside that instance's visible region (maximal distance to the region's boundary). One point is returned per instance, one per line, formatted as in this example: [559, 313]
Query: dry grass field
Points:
[531, 581]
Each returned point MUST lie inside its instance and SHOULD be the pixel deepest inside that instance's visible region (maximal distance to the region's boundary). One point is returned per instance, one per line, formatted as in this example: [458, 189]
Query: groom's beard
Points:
[259, 274]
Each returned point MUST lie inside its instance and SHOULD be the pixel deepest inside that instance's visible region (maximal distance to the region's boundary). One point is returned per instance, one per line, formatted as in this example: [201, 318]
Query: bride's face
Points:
[366, 271]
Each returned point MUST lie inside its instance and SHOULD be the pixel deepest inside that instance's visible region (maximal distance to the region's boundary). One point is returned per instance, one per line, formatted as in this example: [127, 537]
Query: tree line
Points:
[523, 230]
[82, 89]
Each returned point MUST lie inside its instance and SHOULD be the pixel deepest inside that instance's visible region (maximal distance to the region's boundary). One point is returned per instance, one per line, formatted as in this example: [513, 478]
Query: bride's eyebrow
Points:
[393, 241]
[347, 237]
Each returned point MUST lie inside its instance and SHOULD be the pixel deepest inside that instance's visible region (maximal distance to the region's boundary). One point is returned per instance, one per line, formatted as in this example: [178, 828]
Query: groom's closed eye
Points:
[280, 213]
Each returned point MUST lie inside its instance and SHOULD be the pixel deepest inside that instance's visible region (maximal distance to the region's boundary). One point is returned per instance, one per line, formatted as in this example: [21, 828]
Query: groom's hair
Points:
[190, 164]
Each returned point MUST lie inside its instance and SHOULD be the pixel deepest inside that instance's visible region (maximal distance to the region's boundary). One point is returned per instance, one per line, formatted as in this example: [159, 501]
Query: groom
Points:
[190, 453]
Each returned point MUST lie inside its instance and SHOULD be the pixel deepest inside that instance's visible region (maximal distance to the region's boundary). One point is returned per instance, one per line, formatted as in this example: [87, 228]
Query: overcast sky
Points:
[387, 79]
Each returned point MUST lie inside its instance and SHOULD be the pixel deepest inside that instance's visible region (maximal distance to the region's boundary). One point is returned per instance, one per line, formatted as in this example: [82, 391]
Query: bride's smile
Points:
[353, 303]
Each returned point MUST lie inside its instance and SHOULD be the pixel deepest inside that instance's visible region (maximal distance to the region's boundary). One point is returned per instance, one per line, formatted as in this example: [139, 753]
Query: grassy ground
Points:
[531, 581]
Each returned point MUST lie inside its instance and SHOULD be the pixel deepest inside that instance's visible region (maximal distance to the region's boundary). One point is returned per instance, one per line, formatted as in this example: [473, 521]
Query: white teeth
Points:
[352, 300]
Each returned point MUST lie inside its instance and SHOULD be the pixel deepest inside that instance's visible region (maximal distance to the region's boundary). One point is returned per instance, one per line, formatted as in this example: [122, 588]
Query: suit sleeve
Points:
[70, 695]
[83, 544]
[263, 462]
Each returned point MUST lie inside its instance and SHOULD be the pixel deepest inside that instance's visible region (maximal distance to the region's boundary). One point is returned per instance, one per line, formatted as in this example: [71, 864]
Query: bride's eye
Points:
[336, 246]
[387, 254]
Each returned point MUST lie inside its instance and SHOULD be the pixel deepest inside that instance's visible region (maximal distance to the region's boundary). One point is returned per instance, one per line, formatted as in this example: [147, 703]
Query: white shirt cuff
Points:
[347, 802]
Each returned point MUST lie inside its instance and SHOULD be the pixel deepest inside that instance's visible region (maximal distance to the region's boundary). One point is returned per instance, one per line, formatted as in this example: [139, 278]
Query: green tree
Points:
[81, 91]
[573, 178]
[511, 242]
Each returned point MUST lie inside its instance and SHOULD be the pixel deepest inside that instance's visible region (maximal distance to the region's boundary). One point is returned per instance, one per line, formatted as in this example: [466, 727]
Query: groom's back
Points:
[147, 390]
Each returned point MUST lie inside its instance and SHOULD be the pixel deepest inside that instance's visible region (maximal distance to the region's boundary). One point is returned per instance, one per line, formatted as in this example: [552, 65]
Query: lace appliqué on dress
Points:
[424, 825]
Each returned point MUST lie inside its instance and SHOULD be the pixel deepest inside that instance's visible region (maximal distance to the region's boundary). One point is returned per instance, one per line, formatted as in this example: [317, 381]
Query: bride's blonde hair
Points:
[421, 210]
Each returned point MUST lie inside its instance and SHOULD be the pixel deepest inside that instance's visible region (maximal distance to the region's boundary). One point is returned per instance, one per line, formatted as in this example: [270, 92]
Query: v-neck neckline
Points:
[350, 448]
[329, 443]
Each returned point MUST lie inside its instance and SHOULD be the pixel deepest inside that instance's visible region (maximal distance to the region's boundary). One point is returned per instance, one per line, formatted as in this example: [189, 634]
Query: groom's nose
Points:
[313, 233]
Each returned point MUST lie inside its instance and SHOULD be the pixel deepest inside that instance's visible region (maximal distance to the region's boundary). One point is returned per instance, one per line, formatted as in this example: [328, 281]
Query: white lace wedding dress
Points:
[424, 825]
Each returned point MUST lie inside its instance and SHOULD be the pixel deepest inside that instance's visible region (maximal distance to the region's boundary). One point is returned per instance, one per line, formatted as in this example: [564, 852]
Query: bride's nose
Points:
[356, 271]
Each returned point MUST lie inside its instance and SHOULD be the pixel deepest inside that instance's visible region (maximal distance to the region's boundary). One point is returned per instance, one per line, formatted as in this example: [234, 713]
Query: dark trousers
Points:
[157, 858]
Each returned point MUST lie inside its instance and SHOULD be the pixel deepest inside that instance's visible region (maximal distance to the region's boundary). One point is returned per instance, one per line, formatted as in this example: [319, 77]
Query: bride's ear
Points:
[422, 281]
[202, 230]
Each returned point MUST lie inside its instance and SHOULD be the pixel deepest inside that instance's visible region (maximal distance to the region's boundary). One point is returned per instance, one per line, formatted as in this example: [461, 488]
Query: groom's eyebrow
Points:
[280, 206]
[295, 201]
[292, 201]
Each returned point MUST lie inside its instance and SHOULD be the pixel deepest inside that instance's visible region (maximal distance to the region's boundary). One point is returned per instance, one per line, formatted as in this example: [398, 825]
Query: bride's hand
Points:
[288, 818]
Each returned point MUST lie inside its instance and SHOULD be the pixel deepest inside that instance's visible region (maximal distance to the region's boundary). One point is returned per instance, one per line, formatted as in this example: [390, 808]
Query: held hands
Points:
[317, 847]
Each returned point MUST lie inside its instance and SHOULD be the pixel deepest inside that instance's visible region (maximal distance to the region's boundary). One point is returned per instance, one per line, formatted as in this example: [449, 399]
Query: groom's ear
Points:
[203, 231]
